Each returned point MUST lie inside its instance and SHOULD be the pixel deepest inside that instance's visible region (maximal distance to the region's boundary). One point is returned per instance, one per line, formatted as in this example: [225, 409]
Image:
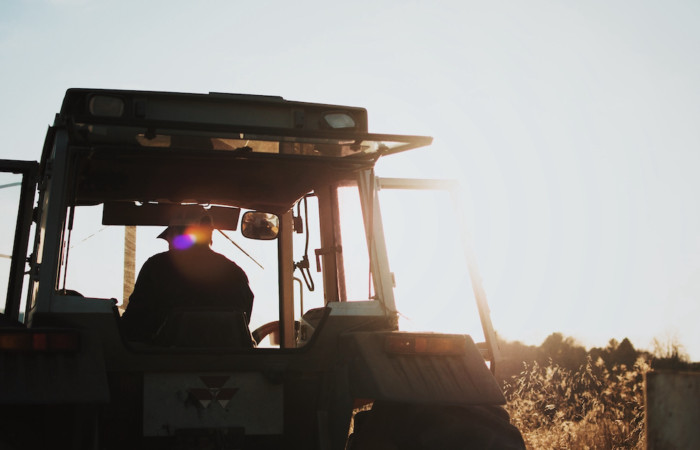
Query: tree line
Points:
[566, 352]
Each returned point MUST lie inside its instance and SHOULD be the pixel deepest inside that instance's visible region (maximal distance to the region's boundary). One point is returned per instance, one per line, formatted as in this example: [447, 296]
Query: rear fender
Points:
[417, 372]
[53, 376]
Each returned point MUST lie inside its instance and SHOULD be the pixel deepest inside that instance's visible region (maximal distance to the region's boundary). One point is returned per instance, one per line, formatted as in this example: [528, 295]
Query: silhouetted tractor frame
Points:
[70, 379]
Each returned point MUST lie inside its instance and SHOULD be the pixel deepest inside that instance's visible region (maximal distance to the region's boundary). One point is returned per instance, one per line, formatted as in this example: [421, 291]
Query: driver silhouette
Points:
[189, 274]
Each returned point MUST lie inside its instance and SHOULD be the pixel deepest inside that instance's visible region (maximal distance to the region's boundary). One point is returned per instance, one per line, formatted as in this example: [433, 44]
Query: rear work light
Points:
[39, 341]
[106, 106]
[425, 345]
[338, 120]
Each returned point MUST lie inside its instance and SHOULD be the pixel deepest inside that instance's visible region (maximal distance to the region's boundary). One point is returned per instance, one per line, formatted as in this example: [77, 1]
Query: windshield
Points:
[103, 257]
[123, 198]
[425, 247]
[97, 264]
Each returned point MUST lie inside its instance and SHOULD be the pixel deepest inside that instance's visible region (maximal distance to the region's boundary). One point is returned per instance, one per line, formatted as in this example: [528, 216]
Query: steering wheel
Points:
[263, 331]
[272, 329]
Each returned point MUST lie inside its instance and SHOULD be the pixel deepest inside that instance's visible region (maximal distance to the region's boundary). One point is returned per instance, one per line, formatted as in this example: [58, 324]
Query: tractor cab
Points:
[126, 164]
[291, 196]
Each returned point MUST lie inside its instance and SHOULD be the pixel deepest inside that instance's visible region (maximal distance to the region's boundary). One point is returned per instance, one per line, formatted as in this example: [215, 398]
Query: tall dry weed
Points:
[590, 408]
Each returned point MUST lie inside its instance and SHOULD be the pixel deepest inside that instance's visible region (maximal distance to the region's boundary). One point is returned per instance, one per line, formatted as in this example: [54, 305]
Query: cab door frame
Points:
[490, 351]
[29, 171]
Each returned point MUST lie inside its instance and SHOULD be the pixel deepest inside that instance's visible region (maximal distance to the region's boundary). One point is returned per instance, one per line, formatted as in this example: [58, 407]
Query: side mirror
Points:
[260, 225]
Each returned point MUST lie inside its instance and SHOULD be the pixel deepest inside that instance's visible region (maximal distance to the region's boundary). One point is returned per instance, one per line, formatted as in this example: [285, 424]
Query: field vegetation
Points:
[562, 396]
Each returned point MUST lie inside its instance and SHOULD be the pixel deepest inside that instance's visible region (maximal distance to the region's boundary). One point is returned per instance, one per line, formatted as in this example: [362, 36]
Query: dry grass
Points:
[590, 408]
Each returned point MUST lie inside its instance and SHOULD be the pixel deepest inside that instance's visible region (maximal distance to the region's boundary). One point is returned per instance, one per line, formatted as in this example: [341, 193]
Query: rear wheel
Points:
[430, 427]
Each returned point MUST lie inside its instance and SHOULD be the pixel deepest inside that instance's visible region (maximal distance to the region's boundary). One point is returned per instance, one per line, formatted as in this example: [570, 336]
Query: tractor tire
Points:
[392, 426]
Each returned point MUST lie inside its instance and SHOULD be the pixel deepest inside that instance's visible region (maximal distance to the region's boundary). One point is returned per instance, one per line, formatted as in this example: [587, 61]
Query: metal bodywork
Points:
[235, 151]
[672, 409]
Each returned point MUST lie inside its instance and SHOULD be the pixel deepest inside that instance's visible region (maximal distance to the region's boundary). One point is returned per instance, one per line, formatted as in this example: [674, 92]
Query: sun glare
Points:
[184, 241]
[426, 255]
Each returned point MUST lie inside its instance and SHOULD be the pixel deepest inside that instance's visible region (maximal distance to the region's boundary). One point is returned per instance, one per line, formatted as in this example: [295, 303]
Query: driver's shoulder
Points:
[158, 258]
[224, 261]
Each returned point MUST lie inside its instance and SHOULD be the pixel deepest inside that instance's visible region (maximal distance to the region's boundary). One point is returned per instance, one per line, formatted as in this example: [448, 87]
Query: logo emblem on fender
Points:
[214, 390]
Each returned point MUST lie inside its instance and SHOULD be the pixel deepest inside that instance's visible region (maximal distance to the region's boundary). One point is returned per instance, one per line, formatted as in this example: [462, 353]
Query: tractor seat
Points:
[209, 327]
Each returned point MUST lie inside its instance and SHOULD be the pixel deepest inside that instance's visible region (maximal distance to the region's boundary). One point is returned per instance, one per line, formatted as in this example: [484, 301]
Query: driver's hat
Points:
[178, 225]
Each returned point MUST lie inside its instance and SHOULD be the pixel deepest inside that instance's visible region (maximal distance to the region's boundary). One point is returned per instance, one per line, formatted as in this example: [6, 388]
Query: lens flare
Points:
[190, 236]
[184, 241]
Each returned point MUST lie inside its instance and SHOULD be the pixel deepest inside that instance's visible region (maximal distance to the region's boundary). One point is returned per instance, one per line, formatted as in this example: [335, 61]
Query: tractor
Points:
[291, 192]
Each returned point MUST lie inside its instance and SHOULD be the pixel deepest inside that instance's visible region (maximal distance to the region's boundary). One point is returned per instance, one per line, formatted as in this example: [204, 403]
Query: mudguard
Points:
[54, 377]
[380, 371]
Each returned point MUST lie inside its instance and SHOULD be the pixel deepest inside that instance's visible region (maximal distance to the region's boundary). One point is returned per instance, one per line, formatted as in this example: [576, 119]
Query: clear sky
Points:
[571, 126]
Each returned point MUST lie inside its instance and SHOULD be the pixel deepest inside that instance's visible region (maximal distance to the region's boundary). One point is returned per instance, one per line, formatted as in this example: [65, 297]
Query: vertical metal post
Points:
[476, 281]
[129, 265]
[338, 239]
[328, 244]
[672, 406]
[286, 280]
[374, 230]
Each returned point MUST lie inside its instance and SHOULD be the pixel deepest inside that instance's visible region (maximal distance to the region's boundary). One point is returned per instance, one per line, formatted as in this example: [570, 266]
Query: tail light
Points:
[39, 341]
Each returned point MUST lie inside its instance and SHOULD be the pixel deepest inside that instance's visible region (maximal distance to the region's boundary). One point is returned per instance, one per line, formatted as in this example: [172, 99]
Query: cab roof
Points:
[257, 152]
[229, 122]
